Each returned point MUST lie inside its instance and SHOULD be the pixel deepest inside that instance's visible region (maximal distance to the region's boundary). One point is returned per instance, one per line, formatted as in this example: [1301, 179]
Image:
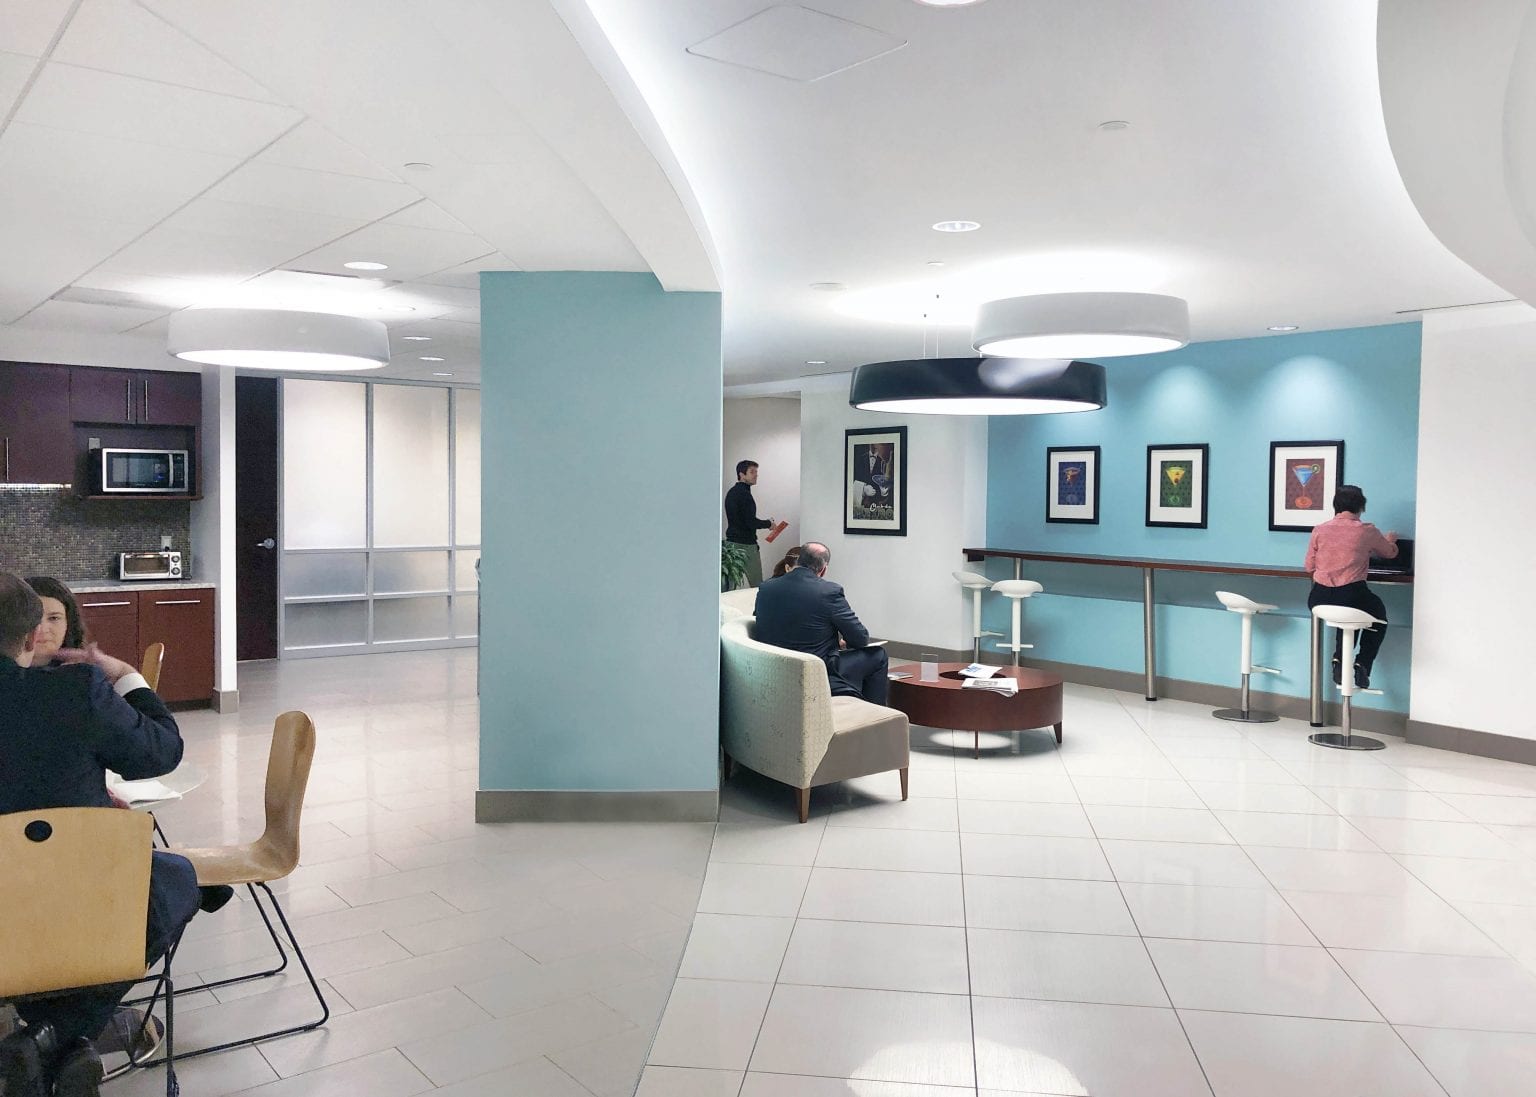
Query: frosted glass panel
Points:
[324, 464]
[410, 465]
[464, 607]
[308, 574]
[464, 568]
[319, 624]
[466, 456]
[404, 572]
[410, 619]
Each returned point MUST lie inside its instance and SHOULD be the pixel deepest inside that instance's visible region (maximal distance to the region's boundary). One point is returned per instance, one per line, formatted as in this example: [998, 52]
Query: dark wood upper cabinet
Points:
[101, 395]
[36, 443]
[170, 399]
[144, 398]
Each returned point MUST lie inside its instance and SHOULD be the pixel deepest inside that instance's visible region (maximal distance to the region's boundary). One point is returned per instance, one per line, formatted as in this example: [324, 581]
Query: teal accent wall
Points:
[599, 639]
[1358, 384]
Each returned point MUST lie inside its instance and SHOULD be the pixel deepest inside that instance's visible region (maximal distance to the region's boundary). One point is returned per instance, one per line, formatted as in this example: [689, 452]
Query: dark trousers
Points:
[1356, 596]
[860, 672]
[173, 898]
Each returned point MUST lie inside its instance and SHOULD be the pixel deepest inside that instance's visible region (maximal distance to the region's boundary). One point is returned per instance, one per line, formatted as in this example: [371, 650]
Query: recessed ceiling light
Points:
[947, 3]
[1283, 327]
[432, 358]
[366, 265]
[418, 165]
[957, 226]
[828, 287]
[1114, 124]
[417, 338]
[815, 361]
[439, 373]
[934, 263]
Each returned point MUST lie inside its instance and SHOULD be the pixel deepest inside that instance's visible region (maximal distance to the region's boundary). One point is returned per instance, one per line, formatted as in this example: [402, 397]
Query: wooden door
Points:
[170, 399]
[102, 395]
[112, 623]
[182, 620]
[256, 547]
[36, 443]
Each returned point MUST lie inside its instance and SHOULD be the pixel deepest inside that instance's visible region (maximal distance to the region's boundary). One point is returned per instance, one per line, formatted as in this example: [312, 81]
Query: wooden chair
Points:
[271, 857]
[154, 657]
[75, 892]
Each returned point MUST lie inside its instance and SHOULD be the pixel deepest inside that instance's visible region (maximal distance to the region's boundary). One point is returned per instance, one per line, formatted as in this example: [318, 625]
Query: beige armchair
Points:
[779, 718]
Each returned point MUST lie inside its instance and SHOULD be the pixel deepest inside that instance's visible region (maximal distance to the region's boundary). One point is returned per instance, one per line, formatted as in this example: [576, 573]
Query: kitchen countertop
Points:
[111, 586]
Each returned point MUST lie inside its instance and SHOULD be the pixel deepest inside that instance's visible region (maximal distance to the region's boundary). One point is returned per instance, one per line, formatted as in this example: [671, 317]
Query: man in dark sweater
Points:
[742, 522]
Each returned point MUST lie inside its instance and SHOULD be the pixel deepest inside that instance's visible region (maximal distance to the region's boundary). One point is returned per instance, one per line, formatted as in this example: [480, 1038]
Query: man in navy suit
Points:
[802, 611]
[61, 728]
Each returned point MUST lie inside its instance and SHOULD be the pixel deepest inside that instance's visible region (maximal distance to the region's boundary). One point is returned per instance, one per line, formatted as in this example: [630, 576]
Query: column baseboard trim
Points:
[226, 700]
[573, 806]
[1485, 744]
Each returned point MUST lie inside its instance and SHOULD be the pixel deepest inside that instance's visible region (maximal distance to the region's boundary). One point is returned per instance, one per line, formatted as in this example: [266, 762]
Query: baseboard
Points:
[574, 806]
[911, 653]
[226, 700]
[1485, 744]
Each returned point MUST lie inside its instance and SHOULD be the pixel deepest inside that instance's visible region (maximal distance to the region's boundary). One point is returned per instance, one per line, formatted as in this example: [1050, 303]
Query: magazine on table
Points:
[979, 670]
[1005, 686]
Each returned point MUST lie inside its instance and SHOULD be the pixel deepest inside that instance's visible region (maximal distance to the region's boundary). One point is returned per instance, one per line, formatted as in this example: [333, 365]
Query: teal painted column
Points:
[599, 644]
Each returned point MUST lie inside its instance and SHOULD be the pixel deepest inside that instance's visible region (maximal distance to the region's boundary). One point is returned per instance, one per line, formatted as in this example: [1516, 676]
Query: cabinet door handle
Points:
[7, 458]
[146, 399]
[97, 605]
[128, 400]
[181, 602]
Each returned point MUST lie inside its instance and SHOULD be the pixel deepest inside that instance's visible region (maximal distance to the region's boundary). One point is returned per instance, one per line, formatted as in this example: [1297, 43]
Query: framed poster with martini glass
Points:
[1302, 479]
[1072, 484]
[1176, 493]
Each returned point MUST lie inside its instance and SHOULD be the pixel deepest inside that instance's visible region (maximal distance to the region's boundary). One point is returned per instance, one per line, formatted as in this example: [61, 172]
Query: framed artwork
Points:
[1302, 479]
[1176, 493]
[1072, 484]
[875, 481]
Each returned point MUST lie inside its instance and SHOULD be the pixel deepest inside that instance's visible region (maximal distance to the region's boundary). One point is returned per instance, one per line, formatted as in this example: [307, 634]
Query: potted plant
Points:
[733, 565]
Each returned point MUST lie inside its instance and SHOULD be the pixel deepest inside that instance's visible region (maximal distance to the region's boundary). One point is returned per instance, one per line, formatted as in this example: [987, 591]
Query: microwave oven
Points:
[163, 471]
[149, 565]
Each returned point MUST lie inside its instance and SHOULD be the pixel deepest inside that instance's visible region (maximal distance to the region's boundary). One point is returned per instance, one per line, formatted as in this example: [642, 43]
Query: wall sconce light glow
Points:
[957, 226]
[1081, 325]
[278, 339]
[365, 265]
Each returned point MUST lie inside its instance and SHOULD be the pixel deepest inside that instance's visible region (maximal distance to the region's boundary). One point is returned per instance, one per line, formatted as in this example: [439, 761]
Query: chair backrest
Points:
[288, 762]
[776, 705]
[154, 659]
[74, 893]
[742, 603]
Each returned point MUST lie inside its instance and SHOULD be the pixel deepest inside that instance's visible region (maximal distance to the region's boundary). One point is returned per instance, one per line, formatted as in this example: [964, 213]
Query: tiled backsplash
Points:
[49, 531]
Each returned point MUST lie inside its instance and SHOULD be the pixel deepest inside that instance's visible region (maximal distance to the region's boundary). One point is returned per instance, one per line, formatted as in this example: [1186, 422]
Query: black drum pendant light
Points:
[978, 386]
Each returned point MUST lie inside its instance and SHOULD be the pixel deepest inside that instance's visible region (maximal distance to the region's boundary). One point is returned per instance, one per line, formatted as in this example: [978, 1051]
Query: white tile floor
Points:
[1165, 906]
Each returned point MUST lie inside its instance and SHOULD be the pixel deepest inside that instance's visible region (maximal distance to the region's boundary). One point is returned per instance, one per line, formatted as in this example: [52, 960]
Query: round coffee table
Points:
[945, 703]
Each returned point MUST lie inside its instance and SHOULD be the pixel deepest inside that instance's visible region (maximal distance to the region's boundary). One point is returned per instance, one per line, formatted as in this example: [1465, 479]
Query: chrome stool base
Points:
[1251, 716]
[1345, 741]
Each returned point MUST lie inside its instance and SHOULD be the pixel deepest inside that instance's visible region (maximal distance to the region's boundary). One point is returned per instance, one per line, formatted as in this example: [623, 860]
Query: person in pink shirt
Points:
[1338, 556]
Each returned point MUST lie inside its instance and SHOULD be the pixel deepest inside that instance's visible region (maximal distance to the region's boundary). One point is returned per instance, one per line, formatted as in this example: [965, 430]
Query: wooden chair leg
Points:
[1058, 734]
[803, 797]
[903, 782]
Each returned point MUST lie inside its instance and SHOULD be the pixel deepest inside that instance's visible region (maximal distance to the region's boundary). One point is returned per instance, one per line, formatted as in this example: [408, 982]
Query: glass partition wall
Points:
[380, 516]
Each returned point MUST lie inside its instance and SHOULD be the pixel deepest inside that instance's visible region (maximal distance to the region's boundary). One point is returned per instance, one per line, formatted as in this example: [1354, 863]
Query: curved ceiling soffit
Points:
[1458, 92]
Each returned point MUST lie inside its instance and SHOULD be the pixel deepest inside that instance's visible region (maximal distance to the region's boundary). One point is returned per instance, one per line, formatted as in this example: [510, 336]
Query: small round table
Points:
[946, 703]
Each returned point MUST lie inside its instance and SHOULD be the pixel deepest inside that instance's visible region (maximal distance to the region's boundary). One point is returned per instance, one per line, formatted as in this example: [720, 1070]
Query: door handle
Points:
[7, 458]
[98, 605]
[146, 399]
[181, 602]
[128, 400]
[269, 543]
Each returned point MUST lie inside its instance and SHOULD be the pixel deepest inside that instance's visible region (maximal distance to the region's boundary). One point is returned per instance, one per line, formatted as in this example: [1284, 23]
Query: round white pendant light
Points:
[278, 339]
[1081, 325]
[978, 386]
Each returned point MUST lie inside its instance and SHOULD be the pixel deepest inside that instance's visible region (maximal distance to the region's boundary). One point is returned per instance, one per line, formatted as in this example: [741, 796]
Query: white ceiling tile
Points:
[176, 253]
[120, 36]
[312, 147]
[87, 101]
[14, 71]
[427, 215]
[467, 275]
[57, 248]
[276, 185]
[73, 316]
[297, 229]
[409, 252]
[27, 26]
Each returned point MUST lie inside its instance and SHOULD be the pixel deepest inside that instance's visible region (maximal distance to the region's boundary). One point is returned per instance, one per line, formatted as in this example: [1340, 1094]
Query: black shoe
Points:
[79, 1072]
[23, 1058]
[213, 898]
[1362, 677]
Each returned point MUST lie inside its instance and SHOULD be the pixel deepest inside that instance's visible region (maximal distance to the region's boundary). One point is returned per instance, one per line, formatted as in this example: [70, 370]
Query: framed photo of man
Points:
[1176, 494]
[1302, 479]
[875, 481]
[1072, 484]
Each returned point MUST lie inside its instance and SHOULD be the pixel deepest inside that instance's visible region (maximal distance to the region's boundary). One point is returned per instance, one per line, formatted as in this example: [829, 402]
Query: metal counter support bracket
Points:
[1018, 569]
[1316, 713]
[1149, 633]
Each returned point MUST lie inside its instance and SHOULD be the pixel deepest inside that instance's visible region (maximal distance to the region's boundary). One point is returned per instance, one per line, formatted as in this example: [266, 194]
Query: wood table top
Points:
[1208, 566]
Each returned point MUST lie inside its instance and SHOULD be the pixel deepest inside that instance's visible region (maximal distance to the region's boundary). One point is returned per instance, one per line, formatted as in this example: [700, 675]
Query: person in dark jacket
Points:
[62, 727]
[802, 611]
[742, 522]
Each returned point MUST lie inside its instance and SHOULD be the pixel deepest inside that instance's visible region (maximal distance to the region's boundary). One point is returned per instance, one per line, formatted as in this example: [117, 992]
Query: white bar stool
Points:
[975, 583]
[1016, 590]
[1348, 621]
[1247, 608]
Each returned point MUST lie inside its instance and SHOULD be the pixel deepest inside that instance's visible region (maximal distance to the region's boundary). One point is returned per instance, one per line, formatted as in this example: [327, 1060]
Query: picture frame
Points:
[1072, 484]
[1177, 494]
[1303, 477]
[875, 481]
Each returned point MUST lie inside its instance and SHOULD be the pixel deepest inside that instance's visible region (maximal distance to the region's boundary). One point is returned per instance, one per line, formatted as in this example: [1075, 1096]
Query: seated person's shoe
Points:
[130, 1038]
[23, 1055]
[79, 1072]
[1362, 677]
[213, 898]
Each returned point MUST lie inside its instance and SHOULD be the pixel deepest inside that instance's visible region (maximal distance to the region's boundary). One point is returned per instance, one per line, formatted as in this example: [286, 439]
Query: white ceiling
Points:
[160, 153]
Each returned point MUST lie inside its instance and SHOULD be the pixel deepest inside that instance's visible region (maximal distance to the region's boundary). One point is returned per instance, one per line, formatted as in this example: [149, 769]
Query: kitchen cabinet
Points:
[135, 397]
[125, 622]
[35, 439]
